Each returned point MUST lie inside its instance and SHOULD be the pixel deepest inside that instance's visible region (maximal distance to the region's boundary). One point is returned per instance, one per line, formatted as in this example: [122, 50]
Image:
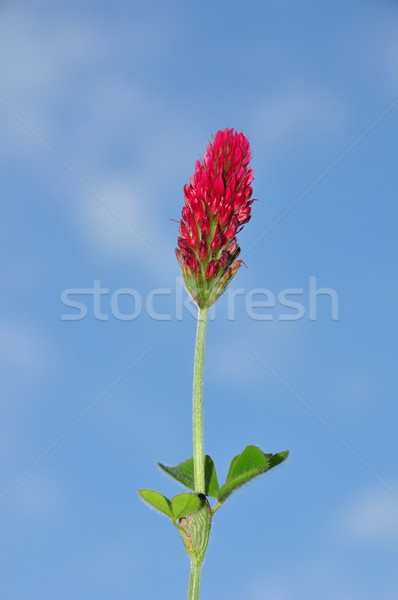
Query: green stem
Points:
[197, 403]
[194, 580]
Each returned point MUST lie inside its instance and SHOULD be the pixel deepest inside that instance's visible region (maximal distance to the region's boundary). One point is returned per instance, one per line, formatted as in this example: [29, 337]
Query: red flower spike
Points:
[217, 203]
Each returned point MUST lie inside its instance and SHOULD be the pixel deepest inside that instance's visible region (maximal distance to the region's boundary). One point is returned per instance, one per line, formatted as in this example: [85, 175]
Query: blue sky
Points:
[103, 112]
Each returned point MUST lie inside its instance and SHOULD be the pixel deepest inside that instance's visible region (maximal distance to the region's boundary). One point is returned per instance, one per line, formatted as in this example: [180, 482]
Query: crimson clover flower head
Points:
[217, 205]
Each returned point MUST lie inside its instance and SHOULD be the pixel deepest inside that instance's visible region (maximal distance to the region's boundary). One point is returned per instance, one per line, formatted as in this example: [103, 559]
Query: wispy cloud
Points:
[371, 517]
[311, 577]
[60, 81]
[296, 113]
[26, 348]
[40, 495]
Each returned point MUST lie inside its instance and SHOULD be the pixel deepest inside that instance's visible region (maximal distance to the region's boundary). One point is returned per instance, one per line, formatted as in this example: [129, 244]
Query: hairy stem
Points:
[197, 403]
[194, 580]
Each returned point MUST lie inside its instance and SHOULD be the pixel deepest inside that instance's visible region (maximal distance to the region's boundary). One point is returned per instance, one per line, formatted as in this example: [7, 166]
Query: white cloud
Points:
[354, 391]
[95, 118]
[371, 517]
[229, 349]
[391, 54]
[128, 201]
[311, 578]
[297, 112]
[373, 45]
[269, 590]
[40, 62]
[25, 347]
[37, 493]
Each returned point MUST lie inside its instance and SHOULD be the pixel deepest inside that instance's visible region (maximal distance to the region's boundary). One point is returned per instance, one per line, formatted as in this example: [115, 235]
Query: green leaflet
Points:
[184, 474]
[157, 501]
[243, 468]
[185, 504]
[180, 506]
[247, 465]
